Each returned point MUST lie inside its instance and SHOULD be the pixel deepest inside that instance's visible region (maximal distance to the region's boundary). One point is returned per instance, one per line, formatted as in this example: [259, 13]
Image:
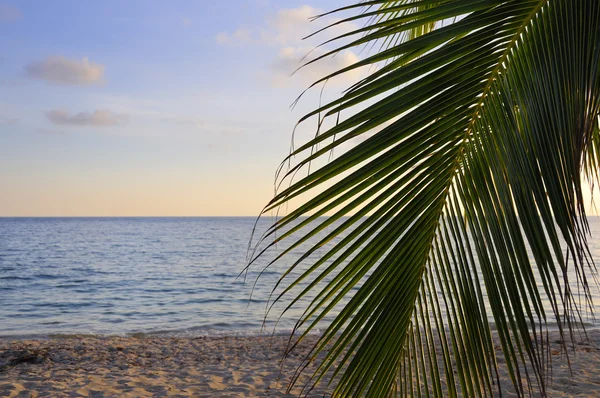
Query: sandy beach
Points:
[146, 367]
[204, 367]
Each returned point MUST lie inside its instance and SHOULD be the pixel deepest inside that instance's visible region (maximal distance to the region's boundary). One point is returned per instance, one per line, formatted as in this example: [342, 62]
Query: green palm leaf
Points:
[478, 124]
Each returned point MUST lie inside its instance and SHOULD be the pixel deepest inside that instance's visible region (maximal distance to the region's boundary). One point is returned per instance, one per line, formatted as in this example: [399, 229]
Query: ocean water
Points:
[141, 275]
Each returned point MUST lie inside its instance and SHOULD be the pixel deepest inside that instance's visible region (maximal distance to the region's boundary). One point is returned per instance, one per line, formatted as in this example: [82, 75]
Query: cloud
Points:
[285, 30]
[289, 59]
[97, 118]
[57, 69]
[9, 12]
[289, 25]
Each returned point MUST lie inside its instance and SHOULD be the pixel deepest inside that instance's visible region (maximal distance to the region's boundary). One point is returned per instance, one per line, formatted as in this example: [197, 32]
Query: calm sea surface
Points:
[129, 275]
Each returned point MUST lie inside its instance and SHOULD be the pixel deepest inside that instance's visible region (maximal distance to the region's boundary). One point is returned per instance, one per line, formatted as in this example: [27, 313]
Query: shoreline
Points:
[220, 366]
[183, 334]
[201, 332]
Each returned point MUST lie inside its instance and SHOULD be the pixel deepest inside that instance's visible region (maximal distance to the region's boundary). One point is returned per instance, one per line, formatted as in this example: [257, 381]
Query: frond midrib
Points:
[478, 108]
[477, 111]
[496, 71]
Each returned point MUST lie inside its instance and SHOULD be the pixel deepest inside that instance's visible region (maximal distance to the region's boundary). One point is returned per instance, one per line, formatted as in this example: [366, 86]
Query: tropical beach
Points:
[430, 230]
[213, 367]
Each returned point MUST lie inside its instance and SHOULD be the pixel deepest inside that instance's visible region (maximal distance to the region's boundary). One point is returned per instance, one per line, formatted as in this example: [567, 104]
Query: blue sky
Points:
[116, 108]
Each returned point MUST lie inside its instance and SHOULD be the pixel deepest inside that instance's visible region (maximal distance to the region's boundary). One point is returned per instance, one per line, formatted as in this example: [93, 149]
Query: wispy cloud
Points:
[97, 118]
[8, 12]
[290, 58]
[289, 25]
[285, 31]
[61, 70]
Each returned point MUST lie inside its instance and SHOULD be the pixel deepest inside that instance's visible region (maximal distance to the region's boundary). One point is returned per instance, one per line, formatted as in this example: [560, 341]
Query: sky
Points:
[152, 108]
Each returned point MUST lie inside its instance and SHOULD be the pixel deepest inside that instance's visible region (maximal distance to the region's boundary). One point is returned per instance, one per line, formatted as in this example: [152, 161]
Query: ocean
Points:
[119, 276]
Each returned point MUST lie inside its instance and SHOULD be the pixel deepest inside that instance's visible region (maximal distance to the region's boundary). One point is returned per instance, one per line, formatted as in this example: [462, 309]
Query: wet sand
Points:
[205, 367]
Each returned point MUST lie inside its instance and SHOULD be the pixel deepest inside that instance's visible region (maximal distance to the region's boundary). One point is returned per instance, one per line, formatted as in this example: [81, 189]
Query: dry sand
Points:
[145, 367]
[201, 367]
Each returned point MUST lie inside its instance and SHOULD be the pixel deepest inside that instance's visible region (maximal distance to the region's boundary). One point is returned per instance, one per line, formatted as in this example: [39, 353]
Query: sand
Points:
[203, 367]
[145, 367]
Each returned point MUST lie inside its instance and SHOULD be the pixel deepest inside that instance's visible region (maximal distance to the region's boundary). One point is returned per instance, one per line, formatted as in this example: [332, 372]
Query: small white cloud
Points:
[9, 12]
[97, 118]
[289, 59]
[290, 25]
[58, 69]
[285, 30]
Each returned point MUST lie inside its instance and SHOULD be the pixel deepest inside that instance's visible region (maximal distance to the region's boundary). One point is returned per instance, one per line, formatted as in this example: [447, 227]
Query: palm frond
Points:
[463, 210]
